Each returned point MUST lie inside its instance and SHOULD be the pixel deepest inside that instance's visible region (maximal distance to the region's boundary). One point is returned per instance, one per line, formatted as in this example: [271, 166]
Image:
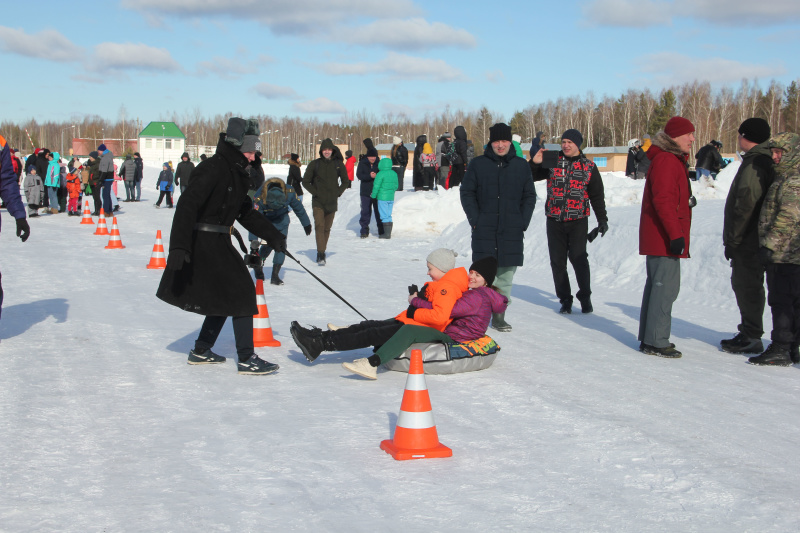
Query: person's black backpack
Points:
[451, 153]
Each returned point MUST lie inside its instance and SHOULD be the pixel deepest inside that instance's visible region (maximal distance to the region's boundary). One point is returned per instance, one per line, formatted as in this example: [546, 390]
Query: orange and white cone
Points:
[262, 330]
[102, 229]
[415, 435]
[114, 241]
[87, 215]
[157, 258]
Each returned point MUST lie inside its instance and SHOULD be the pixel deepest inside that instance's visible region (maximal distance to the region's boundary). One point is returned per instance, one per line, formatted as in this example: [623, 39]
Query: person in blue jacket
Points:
[9, 194]
[165, 185]
[273, 200]
[365, 172]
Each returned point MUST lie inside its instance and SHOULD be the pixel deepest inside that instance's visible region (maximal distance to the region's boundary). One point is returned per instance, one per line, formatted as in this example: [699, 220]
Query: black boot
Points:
[499, 323]
[275, 280]
[776, 355]
[387, 230]
[586, 305]
[309, 341]
[259, 272]
[566, 307]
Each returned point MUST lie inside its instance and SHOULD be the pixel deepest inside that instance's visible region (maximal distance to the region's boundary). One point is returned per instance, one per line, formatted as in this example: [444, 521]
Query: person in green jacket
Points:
[740, 234]
[326, 179]
[383, 190]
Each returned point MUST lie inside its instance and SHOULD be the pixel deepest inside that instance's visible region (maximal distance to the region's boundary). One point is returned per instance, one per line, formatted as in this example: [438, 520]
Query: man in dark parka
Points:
[326, 179]
[205, 274]
[498, 198]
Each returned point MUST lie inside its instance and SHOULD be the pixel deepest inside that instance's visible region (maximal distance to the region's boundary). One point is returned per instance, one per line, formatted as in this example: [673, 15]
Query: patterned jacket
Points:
[780, 214]
[572, 186]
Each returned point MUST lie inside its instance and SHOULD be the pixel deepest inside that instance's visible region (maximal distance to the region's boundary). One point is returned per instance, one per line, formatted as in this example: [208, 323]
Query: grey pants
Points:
[660, 292]
[504, 280]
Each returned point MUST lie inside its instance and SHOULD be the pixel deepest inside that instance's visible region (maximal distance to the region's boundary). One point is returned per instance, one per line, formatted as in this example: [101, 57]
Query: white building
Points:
[161, 142]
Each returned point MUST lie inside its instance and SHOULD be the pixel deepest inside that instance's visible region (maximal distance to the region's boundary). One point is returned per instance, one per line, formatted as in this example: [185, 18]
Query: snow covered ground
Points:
[106, 428]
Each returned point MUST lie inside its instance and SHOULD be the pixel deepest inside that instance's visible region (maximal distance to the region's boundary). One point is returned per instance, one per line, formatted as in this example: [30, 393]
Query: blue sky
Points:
[336, 58]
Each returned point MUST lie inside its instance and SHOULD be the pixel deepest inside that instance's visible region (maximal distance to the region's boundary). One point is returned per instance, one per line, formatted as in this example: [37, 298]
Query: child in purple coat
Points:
[471, 316]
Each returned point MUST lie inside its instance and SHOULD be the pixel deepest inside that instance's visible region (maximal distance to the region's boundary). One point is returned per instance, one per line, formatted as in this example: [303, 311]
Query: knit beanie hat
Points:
[516, 138]
[677, 126]
[486, 267]
[755, 130]
[500, 132]
[574, 136]
[94, 155]
[348, 153]
[101, 148]
[294, 157]
[372, 152]
[251, 142]
[442, 258]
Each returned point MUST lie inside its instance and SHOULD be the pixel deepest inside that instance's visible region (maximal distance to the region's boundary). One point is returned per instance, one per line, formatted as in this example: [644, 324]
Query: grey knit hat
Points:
[442, 258]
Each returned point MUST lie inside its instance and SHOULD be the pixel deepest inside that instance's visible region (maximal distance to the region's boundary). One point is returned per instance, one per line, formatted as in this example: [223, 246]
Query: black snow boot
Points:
[776, 355]
[309, 341]
[741, 343]
[387, 230]
[499, 322]
[275, 280]
[566, 307]
[586, 305]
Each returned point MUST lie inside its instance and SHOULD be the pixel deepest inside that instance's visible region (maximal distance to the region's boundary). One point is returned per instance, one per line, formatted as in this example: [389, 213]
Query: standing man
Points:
[442, 160]
[184, 170]
[366, 172]
[9, 194]
[399, 160]
[740, 234]
[664, 233]
[137, 159]
[326, 179]
[106, 169]
[128, 173]
[572, 185]
[205, 274]
[498, 198]
[708, 160]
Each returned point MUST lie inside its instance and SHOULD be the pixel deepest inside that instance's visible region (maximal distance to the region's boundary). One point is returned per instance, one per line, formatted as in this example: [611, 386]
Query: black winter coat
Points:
[326, 179]
[183, 171]
[216, 281]
[417, 174]
[295, 178]
[399, 156]
[363, 174]
[460, 135]
[498, 198]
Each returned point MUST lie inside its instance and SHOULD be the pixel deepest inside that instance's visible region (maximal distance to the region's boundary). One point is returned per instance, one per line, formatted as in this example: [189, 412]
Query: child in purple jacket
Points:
[471, 316]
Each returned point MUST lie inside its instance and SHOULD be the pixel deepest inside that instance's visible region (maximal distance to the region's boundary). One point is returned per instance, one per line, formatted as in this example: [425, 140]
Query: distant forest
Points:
[606, 121]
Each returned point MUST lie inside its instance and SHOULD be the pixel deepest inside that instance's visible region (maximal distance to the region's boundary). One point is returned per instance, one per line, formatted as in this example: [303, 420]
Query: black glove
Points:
[603, 228]
[23, 229]
[307, 229]
[592, 235]
[278, 246]
[676, 246]
[764, 255]
[729, 252]
[177, 258]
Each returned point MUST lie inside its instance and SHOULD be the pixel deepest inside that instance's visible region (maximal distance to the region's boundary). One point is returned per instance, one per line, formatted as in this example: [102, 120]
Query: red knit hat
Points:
[677, 126]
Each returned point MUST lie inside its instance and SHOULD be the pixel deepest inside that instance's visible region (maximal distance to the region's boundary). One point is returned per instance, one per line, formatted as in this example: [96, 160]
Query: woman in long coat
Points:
[205, 274]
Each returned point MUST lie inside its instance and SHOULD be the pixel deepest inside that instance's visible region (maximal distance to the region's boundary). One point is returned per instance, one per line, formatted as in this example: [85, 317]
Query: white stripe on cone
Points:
[415, 420]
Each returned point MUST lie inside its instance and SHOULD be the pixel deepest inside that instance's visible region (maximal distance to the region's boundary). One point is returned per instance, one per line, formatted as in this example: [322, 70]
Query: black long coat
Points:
[216, 281]
[498, 198]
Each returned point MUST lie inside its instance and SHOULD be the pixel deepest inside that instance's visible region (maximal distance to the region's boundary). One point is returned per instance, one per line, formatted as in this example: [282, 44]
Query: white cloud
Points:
[319, 105]
[223, 66]
[135, 56]
[644, 13]
[398, 66]
[413, 34]
[47, 44]
[495, 76]
[669, 68]
[275, 92]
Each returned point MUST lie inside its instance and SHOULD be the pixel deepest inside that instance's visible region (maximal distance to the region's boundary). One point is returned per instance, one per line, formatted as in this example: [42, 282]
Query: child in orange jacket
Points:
[447, 285]
[74, 192]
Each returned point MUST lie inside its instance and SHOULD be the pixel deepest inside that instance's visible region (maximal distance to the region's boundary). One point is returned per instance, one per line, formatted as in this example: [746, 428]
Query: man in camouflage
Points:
[740, 234]
[779, 240]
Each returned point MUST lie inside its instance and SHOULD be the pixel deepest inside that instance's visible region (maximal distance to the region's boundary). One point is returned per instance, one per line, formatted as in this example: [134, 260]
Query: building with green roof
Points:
[162, 141]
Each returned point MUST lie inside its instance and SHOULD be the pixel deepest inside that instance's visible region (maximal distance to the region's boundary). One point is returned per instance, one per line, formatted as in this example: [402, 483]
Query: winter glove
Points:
[23, 229]
[307, 229]
[764, 255]
[592, 235]
[729, 252]
[676, 246]
[603, 228]
[177, 258]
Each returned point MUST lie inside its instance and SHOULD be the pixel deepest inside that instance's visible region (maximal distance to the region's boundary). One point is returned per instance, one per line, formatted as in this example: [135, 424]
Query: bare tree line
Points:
[609, 121]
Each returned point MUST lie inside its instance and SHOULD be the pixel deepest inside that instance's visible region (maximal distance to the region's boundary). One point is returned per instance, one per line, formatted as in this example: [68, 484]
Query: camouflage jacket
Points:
[779, 223]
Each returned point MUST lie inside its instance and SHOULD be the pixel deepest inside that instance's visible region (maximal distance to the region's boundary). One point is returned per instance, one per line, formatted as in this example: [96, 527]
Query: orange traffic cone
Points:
[114, 241]
[87, 215]
[415, 435]
[262, 331]
[102, 229]
[157, 258]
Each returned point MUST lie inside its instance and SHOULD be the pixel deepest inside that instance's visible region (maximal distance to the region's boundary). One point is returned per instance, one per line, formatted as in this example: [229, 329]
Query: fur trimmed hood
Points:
[667, 144]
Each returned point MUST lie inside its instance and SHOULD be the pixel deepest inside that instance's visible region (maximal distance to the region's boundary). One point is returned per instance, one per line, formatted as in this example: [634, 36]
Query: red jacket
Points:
[666, 214]
[442, 295]
[350, 165]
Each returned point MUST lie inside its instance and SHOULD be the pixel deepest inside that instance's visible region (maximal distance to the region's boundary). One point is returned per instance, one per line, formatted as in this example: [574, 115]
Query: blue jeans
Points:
[130, 191]
[138, 190]
[107, 207]
[52, 195]
[703, 172]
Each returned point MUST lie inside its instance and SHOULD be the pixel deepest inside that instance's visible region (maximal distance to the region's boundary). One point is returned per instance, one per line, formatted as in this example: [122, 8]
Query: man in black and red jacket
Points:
[573, 183]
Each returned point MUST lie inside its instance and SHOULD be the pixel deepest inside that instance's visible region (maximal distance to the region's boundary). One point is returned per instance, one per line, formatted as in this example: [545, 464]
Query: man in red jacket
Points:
[664, 233]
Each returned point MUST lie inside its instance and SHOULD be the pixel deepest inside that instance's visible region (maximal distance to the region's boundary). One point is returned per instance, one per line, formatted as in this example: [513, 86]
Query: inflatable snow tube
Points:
[451, 358]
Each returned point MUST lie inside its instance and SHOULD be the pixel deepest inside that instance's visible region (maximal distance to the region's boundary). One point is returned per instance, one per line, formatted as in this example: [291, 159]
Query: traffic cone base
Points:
[262, 329]
[87, 215]
[114, 242]
[157, 258]
[415, 435]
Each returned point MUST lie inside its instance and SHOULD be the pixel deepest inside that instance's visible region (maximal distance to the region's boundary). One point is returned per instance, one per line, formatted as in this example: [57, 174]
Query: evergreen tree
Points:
[791, 109]
[664, 110]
